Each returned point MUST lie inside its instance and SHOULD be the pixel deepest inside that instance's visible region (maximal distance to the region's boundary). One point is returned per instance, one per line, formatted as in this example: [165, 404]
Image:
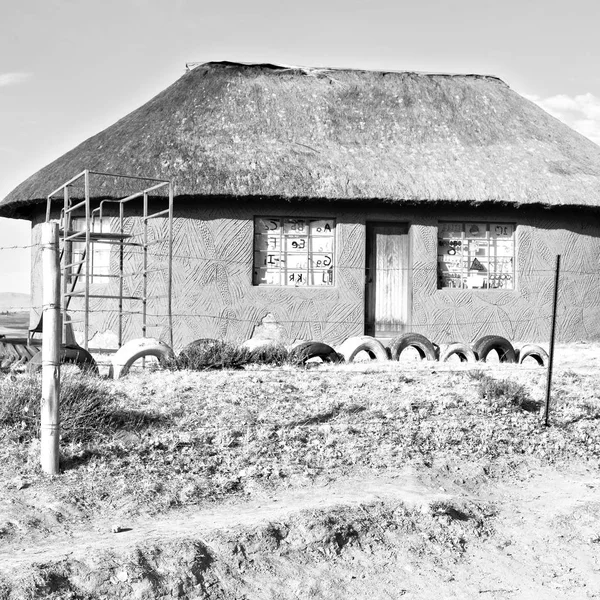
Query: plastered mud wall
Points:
[213, 295]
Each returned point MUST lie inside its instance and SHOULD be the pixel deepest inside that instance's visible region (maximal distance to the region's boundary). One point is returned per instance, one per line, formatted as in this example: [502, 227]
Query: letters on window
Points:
[293, 252]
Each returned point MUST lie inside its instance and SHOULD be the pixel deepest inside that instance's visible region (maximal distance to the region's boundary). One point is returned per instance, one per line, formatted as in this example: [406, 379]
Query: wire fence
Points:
[537, 272]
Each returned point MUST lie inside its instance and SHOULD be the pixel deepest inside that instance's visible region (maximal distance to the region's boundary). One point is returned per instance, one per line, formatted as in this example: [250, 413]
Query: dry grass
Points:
[90, 408]
[505, 393]
[209, 435]
[165, 439]
[217, 354]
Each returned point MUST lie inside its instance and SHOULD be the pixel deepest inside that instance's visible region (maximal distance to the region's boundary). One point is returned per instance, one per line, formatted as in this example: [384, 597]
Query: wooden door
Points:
[387, 294]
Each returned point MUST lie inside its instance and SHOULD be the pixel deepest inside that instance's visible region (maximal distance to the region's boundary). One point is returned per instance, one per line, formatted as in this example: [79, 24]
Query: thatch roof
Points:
[229, 129]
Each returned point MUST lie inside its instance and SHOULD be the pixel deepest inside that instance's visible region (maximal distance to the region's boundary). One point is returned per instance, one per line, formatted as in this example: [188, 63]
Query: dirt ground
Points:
[448, 528]
[543, 542]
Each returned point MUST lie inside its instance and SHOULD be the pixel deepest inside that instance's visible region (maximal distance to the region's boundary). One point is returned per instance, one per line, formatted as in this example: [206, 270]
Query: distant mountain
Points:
[14, 301]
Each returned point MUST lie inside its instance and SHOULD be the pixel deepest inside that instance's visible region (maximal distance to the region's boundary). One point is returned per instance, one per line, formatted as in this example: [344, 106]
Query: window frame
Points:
[284, 251]
[463, 275]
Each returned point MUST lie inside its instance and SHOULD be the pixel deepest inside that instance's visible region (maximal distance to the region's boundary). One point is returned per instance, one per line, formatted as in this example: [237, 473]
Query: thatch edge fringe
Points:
[338, 202]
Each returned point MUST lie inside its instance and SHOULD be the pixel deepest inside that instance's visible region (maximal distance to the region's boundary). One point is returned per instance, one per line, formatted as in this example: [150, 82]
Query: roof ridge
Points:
[313, 70]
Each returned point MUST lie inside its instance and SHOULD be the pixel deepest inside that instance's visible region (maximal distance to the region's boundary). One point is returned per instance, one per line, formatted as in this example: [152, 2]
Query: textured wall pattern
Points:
[213, 295]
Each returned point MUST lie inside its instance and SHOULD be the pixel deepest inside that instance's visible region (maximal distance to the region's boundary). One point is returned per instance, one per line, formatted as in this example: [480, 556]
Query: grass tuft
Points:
[273, 354]
[212, 354]
[505, 393]
[88, 407]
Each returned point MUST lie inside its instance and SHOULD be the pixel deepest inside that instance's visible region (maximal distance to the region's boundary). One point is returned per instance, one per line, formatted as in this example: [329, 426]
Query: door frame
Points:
[368, 328]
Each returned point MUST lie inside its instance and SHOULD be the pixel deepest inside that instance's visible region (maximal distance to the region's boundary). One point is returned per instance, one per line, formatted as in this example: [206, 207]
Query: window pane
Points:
[297, 262]
[296, 278]
[296, 243]
[321, 244]
[266, 242]
[266, 277]
[271, 226]
[317, 277]
[321, 227]
[501, 230]
[295, 227]
[450, 231]
[475, 230]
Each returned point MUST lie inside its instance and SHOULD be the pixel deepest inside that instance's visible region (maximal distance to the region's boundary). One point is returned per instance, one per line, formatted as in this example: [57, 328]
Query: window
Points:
[297, 252]
[476, 255]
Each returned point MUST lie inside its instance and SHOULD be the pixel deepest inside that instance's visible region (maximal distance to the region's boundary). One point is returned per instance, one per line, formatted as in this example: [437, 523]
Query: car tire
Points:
[77, 356]
[352, 346]
[463, 351]
[483, 346]
[417, 341]
[307, 350]
[133, 350]
[536, 352]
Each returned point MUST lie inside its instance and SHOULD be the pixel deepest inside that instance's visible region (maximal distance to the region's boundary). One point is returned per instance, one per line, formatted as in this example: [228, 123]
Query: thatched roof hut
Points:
[235, 130]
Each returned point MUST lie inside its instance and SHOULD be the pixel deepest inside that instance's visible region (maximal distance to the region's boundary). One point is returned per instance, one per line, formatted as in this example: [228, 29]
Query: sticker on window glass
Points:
[451, 246]
[271, 260]
[450, 230]
[294, 226]
[321, 261]
[475, 230]
[268, 225]
[321, 227]
[266, 242]
[321, 277]
[296, 244]
[501, 230]
[296, 278]
[477, 265]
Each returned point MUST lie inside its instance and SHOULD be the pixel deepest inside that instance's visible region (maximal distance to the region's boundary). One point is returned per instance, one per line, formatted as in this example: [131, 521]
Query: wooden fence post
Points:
[51, 342]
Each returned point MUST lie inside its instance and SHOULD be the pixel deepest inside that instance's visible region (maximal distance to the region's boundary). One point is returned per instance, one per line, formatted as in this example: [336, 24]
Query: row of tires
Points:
[349, 350]
[427, 350]
[302, 352]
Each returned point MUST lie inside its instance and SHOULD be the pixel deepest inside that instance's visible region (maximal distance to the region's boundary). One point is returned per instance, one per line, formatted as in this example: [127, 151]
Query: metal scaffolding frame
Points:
[74, 272]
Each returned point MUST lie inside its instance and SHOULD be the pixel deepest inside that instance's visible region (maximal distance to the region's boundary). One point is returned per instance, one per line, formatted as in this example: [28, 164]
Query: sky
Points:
[71, 68]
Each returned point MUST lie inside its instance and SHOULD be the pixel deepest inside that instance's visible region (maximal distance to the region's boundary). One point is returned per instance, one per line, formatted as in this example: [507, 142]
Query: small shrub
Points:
[217, 354]
[506, 393]
[212, 354]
